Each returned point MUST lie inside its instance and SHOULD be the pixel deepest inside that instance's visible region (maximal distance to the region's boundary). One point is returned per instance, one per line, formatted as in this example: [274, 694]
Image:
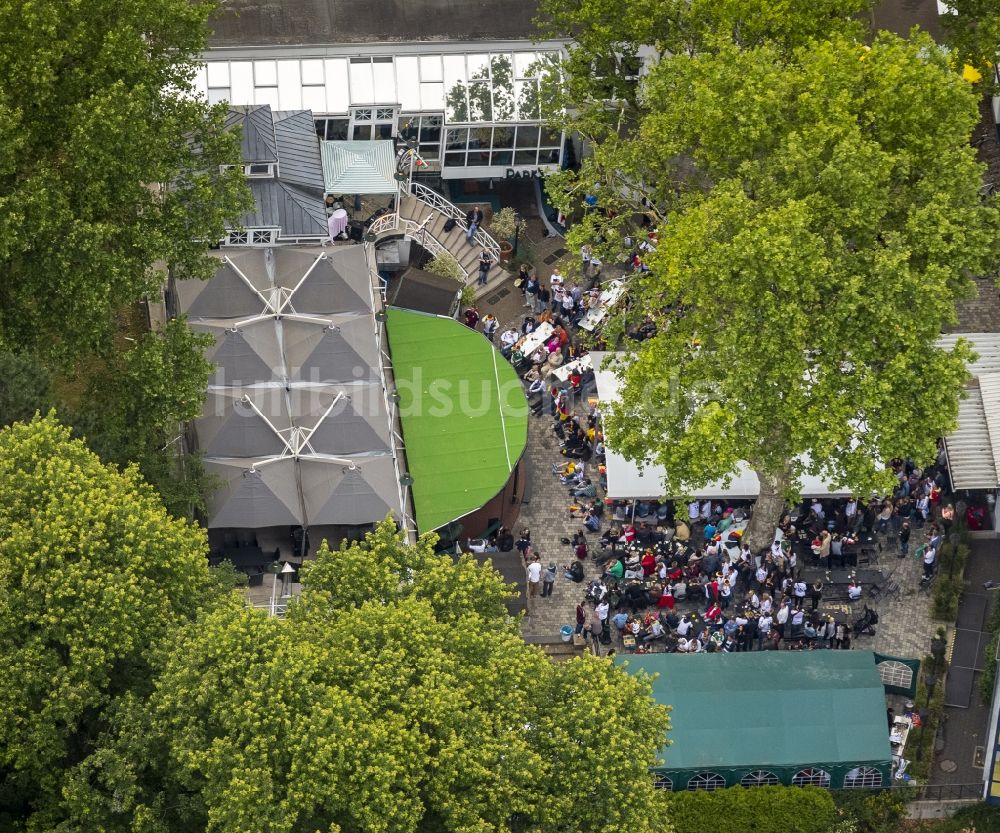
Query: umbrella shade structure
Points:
[359, 167]
[345, 495]
[242, 355]
[341, 352]
[296, 422]
[336, 285]
[244, 422]
[232, 292]
[255, 498]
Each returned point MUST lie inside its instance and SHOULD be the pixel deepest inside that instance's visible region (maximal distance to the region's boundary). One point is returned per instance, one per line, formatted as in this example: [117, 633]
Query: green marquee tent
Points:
[770, 717]
[463, 412]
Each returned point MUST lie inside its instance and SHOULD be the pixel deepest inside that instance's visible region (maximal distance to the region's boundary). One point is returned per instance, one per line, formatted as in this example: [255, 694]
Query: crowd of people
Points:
[679, 578]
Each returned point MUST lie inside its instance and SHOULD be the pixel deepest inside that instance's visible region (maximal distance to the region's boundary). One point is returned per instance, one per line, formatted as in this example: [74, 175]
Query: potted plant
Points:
[502, 227]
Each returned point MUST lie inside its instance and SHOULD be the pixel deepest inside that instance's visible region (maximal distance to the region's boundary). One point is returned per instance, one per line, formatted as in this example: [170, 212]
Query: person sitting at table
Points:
[853, 591]
[528, 325]
[615, 570]
[507, 340]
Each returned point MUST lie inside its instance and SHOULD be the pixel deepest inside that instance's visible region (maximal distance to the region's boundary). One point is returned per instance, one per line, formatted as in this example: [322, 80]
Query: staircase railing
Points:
[438, 203]
[392, 222]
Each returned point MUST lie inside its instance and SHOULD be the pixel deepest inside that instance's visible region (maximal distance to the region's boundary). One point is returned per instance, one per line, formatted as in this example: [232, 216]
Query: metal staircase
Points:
[422, 214]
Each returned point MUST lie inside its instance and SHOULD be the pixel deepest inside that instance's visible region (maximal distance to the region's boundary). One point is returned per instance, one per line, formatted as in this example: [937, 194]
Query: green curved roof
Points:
[463, 412]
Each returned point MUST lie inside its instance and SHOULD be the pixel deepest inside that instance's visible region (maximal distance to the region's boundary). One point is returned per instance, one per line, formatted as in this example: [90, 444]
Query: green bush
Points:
[872, 812]
[989, 653]
[950, 582]
[761, 809]
[920, 743]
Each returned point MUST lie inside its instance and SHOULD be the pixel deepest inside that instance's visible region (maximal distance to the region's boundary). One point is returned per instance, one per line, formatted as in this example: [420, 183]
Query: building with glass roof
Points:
[458, 79]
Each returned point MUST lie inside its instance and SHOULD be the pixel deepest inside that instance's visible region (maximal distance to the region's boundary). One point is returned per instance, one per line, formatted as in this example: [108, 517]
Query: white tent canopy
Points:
[627, 482]
[359, 167]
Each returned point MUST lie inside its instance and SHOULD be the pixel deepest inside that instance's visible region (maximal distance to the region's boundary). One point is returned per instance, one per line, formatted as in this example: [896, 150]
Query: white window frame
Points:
[759, 778]
[708, 781]
[663, 782]
[811, 777]
[863, 778]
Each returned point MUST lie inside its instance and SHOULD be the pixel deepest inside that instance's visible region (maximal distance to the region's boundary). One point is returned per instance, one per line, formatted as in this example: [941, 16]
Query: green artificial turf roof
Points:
[459, 457]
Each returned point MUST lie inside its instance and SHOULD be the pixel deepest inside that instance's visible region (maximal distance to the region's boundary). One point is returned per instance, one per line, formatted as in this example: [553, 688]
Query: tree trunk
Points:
[767, 510]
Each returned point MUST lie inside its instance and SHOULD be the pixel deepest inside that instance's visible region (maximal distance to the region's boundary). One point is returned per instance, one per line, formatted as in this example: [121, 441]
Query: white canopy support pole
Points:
[308, 272]
[247, 281]
[314, 319]
[246, 400]
[308, 434]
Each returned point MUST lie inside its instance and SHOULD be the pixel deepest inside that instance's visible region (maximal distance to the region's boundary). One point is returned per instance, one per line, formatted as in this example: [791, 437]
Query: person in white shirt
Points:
[684, 626]
[555, 280]
[853, 591]
[930, 556]
[817, 507]
[765, 603]
[694, 510]
[602, 611]
[534, 575]
[799, 589]
[851, 509]
[763, 629]
[706, 509]
[508, 338]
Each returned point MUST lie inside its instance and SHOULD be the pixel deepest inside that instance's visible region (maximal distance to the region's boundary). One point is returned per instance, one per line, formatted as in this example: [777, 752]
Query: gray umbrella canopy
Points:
[225, 295]
[244, 356]
[344, 495]
[244, 423]
[338, 284]
[254, 498]
[344, 432]
[295, 420]
[340, 353]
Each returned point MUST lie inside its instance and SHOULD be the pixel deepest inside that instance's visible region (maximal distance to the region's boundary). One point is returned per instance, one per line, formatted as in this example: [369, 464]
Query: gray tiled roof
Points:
[293, 201]
[259, 144]
[298, 213]
[298, 149]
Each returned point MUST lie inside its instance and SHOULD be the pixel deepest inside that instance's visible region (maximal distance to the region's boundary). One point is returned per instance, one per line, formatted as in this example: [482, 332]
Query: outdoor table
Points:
[535, 339]
[608, 298]
[337, 223]
[563, 373]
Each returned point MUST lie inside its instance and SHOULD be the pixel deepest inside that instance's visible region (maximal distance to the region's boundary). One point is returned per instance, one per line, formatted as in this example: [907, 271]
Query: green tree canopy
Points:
[95, 574]
[972, 29]
[818, 216]
[597, 84]
[396, 696]
[106, 165]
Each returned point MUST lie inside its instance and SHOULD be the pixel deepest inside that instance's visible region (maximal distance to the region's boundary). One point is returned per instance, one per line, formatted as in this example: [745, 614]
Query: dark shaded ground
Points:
[965, 728]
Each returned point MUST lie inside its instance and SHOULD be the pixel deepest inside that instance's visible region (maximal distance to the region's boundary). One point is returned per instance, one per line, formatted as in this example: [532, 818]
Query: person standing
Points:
[534, 575]
[581, 618]
[585, 254]
[485, 264]
[542, 298]
[548, 579]
[490, 326]
[904, 539]
[471, 317]
[474, 219]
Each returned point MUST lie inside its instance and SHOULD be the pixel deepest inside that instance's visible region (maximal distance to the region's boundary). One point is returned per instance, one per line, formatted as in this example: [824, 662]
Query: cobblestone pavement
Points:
[548, 517]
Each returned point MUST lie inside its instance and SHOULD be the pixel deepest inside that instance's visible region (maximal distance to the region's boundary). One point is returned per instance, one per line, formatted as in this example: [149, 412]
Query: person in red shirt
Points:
[648, 563]
[714, 613]
[666, 599]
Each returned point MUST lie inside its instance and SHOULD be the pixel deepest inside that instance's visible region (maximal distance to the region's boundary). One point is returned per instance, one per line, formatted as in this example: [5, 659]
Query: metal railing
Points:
[438, 203]
[942, 792]
[389, 223]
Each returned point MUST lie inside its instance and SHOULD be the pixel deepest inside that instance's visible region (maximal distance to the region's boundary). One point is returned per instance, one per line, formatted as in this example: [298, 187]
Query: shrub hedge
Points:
[760, 809]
